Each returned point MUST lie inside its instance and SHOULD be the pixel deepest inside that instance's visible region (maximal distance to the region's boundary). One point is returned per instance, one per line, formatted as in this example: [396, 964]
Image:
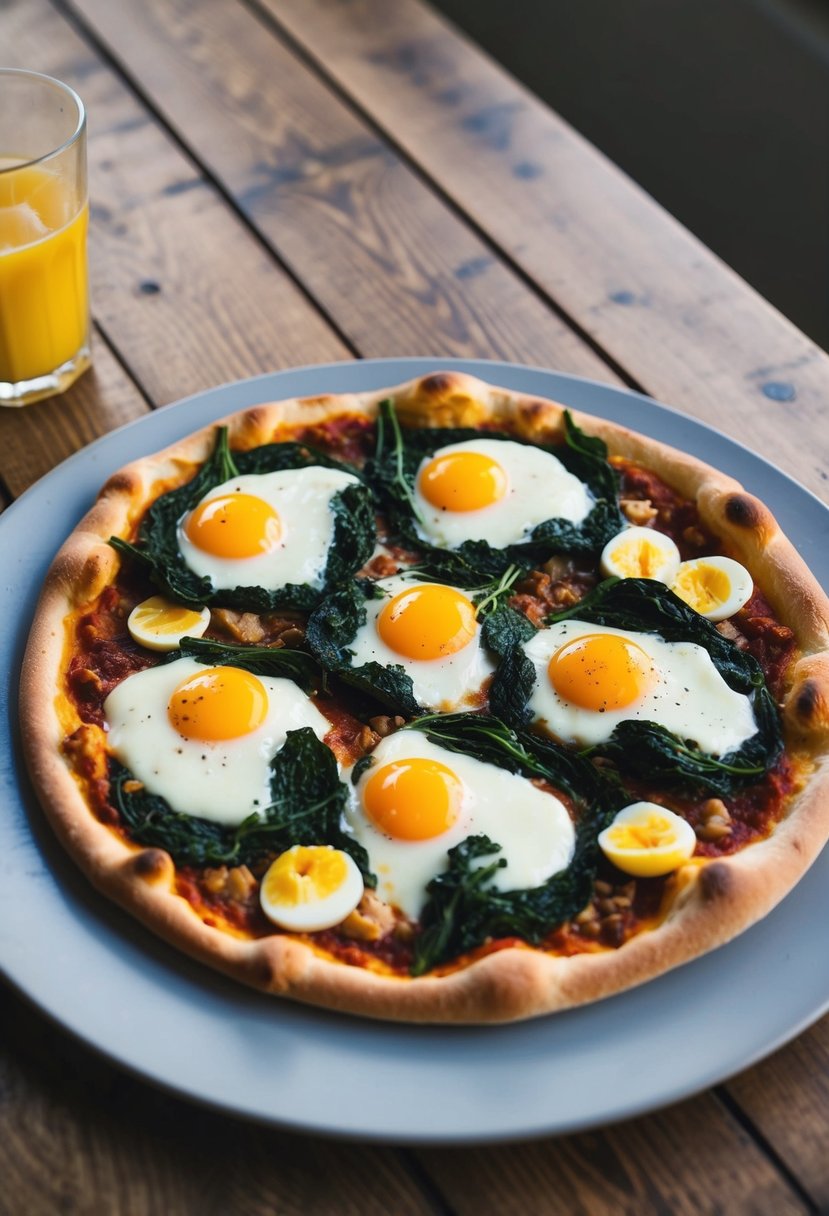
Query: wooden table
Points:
[284, 182]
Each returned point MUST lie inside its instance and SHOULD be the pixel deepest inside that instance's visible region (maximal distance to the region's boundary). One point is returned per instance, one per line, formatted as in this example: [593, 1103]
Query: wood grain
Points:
[78, 1136]
[36, 438]
[684, 1161]
[387, 260]
[677, 319]
[182, 289]
[187, 295]
[787, 1098]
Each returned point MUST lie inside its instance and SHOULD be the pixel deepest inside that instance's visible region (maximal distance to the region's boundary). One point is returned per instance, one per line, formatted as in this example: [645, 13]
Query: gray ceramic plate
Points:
[111, 983]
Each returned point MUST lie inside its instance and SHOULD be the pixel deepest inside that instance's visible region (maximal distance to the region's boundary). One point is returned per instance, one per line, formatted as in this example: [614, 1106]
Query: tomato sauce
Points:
[103, 654]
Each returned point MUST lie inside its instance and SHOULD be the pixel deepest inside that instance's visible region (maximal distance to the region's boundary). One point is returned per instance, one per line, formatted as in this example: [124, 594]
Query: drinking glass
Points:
[44, 295]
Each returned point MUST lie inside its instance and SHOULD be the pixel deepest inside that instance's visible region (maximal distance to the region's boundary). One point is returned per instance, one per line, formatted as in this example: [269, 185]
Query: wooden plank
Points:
[787, 1098]
[77, 1135]
[36, 438]
[676, 318]
[685, 1161]
[187, 295]
[390, 262]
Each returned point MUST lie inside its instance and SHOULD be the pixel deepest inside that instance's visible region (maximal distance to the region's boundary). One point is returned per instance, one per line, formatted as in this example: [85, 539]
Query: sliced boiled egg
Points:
[640, 553]
[159, 624]
[715, 587]
[647, 840]
[311, 887]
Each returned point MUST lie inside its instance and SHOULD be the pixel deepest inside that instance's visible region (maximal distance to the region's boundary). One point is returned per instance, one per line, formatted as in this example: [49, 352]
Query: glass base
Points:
[25, 392]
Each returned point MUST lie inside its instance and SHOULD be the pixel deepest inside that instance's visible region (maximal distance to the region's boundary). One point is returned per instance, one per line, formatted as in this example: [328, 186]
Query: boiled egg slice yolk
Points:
[601, 672]
[647, 840]
[218, 703]
[413, 799]
[463, 481]
[159, 624]
[640, 553]
[234, 526]
[427, 621]
[715, 587]
[311, 887]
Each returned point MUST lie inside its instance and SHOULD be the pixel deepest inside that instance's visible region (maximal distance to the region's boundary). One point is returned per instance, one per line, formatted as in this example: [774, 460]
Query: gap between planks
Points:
[284, 35]
[528, 326]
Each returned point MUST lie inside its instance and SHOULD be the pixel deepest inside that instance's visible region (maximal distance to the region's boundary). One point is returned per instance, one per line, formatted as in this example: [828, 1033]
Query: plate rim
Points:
[485, 369]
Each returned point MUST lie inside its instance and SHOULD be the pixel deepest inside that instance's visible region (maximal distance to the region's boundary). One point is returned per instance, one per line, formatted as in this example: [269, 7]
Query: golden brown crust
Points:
[714, 901]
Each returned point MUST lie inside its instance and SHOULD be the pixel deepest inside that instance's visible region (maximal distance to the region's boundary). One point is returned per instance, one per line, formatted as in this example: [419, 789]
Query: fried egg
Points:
[203, 737]
[589, 678]
[418, 800]
[264, 529]
[430, 630]
[494, 490]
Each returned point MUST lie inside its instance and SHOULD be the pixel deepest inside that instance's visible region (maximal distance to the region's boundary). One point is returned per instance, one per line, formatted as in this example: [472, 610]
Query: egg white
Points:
[302, 500]
[539, 487]
[533, 827]
[443, 684]
[689, 697]
[223, 781]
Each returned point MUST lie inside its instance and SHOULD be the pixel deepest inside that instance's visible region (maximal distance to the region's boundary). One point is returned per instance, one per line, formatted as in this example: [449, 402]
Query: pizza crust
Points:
[714, 900]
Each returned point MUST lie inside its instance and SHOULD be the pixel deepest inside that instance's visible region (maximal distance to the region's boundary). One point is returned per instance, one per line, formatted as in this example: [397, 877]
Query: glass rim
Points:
[71, 139]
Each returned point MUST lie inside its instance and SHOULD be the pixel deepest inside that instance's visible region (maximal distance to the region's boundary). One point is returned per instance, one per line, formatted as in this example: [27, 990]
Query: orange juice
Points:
[43, 275]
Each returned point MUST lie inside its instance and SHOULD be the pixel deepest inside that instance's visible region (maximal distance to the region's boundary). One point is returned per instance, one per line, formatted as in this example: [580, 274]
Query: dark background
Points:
[719, 108]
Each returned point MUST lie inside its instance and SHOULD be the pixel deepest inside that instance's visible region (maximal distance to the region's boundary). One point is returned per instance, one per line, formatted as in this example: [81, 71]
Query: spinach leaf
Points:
[464, 908]
[393, 471]
[156, 546]
[307, 802]
[504, 633]
[649, 751]
[330, 629]
[188, 840]
[490, 740]
[488, 593]
[281, 663]
[646, 749]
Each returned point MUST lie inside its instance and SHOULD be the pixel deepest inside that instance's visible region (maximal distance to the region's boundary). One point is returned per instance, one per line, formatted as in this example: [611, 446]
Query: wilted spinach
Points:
[307, 802]
[463, 908]
[646, 749]
[156, 546]
[393, 471]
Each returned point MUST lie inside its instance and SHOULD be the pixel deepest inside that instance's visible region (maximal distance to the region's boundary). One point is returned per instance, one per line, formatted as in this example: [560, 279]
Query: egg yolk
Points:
[414, 799]
[601, 671]
[463, 481]
[218, 703]
[427, 622]
[638, 559]
[703, 587]
[652, 831]
[160, 616]
[647, 840]
[234, 526]
[304, 874]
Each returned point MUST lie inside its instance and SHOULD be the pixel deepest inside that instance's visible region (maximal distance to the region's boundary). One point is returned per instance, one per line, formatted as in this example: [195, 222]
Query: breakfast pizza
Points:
[441, 703]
